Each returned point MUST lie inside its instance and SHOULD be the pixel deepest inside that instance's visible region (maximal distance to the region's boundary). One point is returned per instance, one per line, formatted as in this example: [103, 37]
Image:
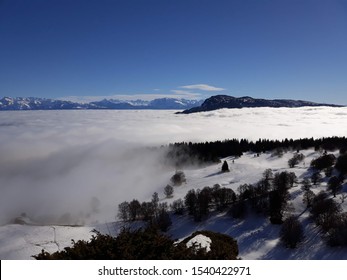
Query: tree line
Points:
[185, 153]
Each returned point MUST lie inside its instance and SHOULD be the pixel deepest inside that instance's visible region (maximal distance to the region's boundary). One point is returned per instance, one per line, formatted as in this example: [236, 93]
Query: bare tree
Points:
[291, 232]
[168, 191]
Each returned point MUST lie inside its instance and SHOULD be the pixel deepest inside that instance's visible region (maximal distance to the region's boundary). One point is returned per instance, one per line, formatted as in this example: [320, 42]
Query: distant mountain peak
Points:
[35, 103]
[229, 102]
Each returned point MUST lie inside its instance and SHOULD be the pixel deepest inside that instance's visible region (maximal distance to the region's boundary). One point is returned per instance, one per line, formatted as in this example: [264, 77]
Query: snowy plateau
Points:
[83, 164]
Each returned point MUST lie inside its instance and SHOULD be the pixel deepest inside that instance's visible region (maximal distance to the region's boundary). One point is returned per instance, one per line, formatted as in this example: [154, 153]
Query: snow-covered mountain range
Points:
[34, 103]
[188, 106]
[225, 101]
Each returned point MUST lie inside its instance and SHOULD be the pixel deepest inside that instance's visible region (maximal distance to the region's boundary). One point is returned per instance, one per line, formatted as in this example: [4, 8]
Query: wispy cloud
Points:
[186, 94]
[203, 87]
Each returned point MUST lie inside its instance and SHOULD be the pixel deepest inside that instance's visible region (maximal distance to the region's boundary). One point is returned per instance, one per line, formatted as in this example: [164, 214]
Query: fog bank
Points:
[86, 162]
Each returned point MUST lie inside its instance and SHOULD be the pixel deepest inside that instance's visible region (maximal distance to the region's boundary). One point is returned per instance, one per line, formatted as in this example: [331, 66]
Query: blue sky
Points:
[295, 49]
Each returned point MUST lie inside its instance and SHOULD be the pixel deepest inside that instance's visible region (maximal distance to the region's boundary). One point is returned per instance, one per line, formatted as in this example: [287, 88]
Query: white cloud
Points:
[186, 94]
[55, 162]
[203, 87]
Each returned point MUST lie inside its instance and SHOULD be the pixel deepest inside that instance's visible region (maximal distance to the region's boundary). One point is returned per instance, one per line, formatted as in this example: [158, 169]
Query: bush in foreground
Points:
[143, 244]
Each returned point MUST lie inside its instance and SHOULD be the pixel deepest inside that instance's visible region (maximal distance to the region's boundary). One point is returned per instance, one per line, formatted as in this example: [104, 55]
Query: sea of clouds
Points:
[84, 163]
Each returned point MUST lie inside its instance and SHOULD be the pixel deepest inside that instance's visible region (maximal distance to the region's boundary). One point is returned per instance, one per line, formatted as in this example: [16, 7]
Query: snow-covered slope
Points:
[257, 238]
[23, 241]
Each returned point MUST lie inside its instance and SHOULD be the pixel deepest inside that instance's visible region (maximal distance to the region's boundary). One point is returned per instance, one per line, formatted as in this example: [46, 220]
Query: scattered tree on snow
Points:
[291, 232]
[225, 167]
[178, 178]
[168, 191]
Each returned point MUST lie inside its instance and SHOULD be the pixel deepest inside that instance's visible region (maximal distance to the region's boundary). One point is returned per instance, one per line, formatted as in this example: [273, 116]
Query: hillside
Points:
[257, 238]
[225, 101]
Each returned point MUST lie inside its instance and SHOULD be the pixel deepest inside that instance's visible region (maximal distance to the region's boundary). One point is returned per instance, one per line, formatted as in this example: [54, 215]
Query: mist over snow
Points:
[86, 162]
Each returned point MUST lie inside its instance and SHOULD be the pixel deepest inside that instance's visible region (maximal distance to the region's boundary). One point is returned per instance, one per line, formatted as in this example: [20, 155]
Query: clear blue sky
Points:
[293, 49]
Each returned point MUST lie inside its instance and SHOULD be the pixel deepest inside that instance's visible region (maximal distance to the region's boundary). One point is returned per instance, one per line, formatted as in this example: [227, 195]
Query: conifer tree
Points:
[225, 167]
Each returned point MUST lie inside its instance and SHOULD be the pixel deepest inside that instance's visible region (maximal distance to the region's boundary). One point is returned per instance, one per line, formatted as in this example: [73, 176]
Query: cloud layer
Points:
[54, 162]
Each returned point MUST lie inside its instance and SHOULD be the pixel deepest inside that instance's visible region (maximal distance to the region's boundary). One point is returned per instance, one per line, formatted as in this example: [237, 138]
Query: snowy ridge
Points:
[33, 103]
[225, 101]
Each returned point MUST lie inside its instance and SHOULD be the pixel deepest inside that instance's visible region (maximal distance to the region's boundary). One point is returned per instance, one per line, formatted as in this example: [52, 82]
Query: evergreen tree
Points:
[225, 167]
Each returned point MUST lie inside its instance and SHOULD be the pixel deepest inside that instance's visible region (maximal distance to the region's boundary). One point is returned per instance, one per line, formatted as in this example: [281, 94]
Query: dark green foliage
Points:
[291, 232]
[225, 167]
[143, 244]
[323, 162]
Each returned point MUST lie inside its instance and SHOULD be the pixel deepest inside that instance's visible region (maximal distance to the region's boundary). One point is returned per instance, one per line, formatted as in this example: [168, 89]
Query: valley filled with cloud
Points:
[56, 163]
